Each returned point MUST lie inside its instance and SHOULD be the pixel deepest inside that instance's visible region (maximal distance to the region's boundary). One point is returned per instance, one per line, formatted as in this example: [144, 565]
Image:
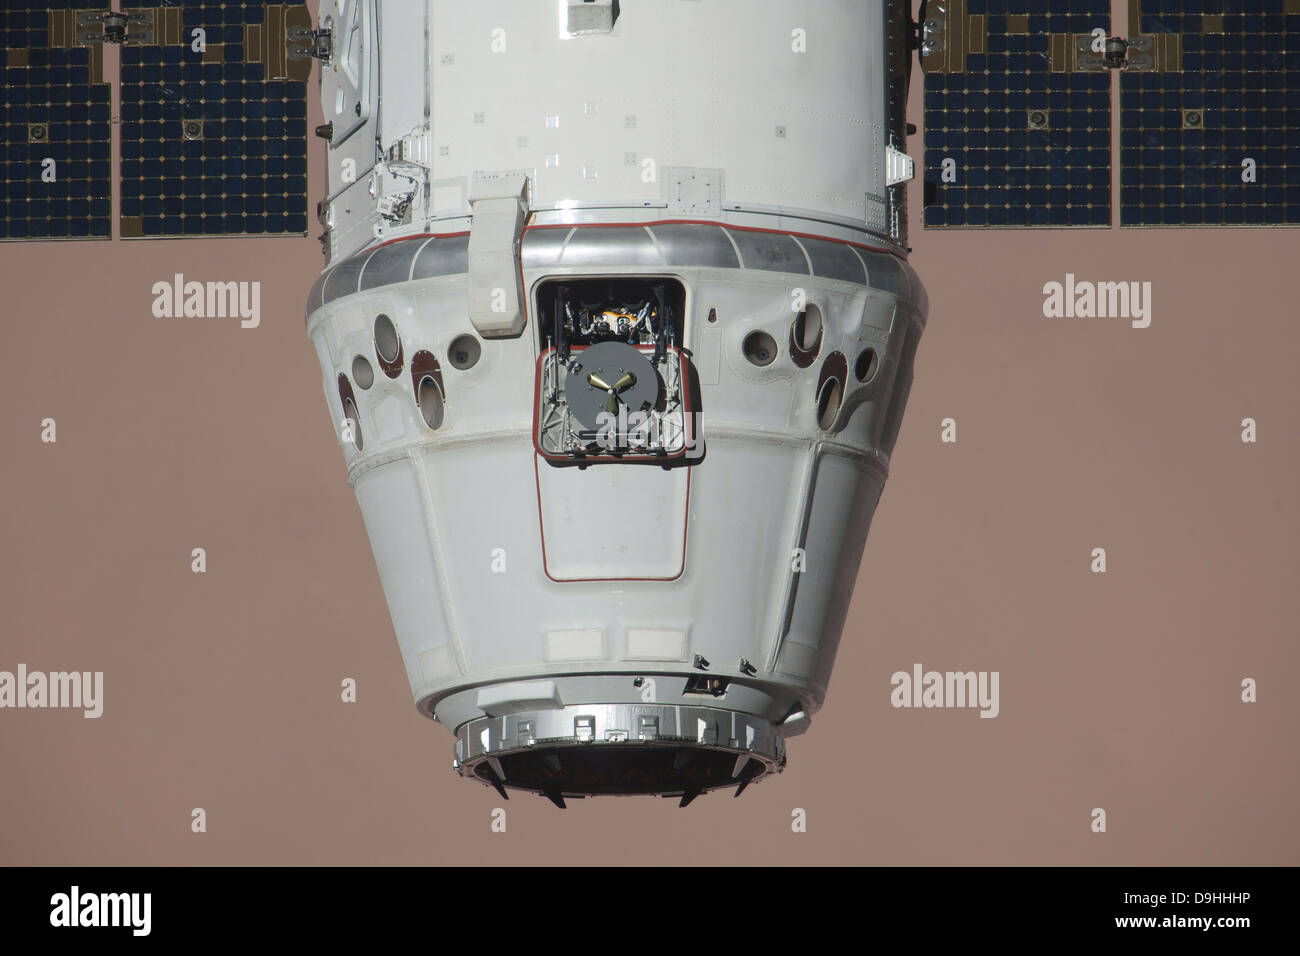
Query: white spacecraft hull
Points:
[707, 184]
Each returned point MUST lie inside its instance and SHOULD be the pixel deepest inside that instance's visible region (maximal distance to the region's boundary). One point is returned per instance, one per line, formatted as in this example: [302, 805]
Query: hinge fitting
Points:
[114, 27]
[1117, 53]
[320, 42]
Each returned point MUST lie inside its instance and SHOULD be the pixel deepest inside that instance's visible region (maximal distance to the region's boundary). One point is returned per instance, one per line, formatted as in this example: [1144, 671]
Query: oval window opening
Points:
[350, 410]
[760, 348]
[865, 367]
[362, 372]
[808, 329]
[464, 352]
[429, 398]
[828, 403]
[387, 345]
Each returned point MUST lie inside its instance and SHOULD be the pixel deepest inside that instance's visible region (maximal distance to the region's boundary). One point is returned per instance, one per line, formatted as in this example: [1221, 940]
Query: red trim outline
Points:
[638, 462]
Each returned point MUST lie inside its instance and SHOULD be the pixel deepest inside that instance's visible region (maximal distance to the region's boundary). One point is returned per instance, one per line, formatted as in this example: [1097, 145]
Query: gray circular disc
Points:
[610, 362]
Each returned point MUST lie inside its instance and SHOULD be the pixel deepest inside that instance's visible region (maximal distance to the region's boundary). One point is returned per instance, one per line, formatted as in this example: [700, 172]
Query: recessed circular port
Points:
[387, 344]
[828, 403]
[363, 373]
[808, 329]
[350, 412]
[429, 398]
[806, 336]
[759, 348]
[864, 369]
[464, 352]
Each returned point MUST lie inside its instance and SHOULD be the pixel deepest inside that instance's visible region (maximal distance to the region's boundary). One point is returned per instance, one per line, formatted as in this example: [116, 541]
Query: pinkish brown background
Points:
[1119, 690]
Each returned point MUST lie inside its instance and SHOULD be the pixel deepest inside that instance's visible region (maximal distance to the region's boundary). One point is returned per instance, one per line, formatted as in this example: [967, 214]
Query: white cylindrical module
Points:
[617, 331]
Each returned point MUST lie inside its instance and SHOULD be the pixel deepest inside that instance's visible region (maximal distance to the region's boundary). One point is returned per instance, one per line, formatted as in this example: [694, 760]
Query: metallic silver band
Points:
[660, 245]
[485, 747]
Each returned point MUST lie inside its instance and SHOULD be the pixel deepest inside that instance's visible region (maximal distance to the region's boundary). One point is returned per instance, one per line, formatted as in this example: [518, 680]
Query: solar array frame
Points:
[245, 173]
[1225, 89]
[1008, 173]
[58, 90]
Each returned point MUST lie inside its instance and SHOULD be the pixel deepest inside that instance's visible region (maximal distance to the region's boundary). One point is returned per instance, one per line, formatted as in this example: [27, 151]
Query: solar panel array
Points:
[213, 134]
[1205, 135]
[55, 130]
[213, 124]
[213, 142]
[1015, 133]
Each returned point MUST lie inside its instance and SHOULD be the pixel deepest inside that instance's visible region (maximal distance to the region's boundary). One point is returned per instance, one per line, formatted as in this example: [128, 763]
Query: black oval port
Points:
[864, 369]
[429, 398]
[388, 346]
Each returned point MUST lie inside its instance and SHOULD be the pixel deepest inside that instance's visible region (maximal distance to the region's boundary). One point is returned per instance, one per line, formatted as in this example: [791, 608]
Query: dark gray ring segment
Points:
[664, 245]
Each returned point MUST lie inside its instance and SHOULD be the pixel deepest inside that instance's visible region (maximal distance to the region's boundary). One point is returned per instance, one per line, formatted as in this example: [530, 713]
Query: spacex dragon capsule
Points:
[617, 330]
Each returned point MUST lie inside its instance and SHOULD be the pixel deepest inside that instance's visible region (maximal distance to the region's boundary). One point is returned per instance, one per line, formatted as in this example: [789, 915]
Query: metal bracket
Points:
[1141, 54]
[899, 167]
[318, 44]
[692, 191]
[931, 36]
[395, 206]
[113, 27]
[589, 17]
[1135, 56]
[496, 292]
[411, 156]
